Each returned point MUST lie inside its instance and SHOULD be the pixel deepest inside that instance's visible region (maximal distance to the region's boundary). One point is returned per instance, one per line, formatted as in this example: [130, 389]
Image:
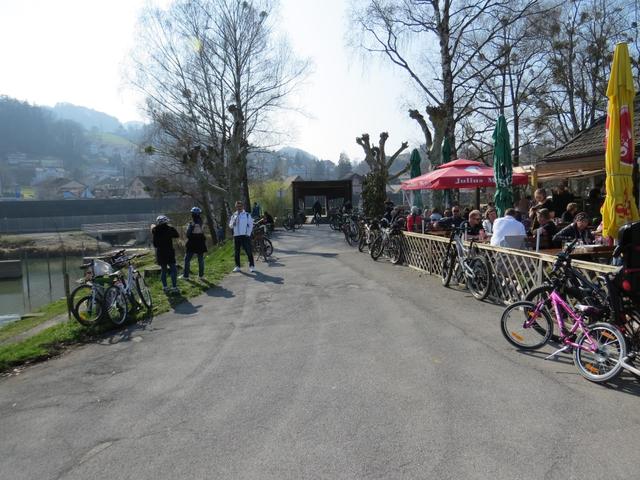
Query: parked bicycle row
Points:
[596, 321]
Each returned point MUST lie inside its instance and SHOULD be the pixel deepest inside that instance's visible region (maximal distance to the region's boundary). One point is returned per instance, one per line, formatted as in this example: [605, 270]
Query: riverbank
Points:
[17, 351]
[39, 245]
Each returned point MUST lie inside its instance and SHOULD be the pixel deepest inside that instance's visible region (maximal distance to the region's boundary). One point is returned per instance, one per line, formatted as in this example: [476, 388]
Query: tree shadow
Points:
[301, 252]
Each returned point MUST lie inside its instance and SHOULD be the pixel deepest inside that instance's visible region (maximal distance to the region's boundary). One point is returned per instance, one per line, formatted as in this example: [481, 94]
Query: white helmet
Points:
[162, 219]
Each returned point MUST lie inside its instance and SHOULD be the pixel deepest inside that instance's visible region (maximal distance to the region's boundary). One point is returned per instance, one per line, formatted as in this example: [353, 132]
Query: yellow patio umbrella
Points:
[619, 205]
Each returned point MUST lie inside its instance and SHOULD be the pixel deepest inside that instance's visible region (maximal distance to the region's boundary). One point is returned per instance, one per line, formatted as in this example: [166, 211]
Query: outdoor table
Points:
[589, 253]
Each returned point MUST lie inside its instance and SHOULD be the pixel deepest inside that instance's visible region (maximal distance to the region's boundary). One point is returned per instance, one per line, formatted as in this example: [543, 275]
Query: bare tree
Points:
[580, 39]
[461, 29]
[214, 75]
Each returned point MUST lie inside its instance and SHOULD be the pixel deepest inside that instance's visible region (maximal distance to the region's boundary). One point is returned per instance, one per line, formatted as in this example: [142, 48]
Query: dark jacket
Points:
[571, 233]
[474, 231]
[163, 236]
[567, 217]
[450, 222]
[196, 242]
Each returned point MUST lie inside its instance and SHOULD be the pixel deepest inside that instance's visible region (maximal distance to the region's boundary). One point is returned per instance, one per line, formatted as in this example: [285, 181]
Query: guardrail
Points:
[514, 272]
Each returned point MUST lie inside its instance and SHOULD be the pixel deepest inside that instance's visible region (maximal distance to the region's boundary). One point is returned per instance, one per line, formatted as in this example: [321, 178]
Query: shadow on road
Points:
[264, 278]
[220, 292]
[302, 252]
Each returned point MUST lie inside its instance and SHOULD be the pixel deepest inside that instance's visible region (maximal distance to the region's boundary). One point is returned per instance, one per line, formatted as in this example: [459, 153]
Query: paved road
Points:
[323, 365]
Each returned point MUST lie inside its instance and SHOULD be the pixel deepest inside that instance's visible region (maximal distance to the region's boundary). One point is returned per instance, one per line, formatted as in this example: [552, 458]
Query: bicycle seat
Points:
[589, 310]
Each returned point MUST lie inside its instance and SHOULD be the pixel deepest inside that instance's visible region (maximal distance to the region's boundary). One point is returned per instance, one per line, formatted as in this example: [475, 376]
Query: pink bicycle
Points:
[598, 348]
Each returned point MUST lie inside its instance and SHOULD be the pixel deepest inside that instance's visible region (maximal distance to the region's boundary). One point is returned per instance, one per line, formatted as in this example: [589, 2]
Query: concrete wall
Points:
[61, 215]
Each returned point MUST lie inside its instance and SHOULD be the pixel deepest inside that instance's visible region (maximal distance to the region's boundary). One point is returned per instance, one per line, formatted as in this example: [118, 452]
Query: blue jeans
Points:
[187, 263]
[172, 271]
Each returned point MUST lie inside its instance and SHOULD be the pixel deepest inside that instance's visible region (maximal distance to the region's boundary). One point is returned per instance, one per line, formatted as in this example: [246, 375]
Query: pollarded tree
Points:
[374, 186]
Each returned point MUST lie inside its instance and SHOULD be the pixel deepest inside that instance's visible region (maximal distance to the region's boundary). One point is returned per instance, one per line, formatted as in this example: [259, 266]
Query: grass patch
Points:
[49, 311]
[218, 262]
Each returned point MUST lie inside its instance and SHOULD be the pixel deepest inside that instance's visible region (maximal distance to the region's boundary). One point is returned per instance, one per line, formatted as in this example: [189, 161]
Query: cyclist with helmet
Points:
[163, 235]
[196, 244]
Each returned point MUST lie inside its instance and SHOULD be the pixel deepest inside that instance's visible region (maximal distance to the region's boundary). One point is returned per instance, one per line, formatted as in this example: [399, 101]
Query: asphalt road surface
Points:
[324, 365]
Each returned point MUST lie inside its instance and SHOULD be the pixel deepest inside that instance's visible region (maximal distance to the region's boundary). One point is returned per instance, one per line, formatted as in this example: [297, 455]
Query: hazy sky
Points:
[74, 51]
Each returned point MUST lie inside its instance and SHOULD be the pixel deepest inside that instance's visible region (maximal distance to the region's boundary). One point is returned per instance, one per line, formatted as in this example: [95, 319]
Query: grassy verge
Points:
[45, 313]
[218, 262]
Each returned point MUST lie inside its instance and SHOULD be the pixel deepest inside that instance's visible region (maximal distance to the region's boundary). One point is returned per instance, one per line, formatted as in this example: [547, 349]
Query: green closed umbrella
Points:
[446, 158]
[414, 160]
[502, 167]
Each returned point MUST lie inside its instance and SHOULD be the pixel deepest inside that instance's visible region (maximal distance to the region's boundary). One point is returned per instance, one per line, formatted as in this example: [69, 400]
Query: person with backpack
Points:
[242, 225]
[163, 235]
[196, 244]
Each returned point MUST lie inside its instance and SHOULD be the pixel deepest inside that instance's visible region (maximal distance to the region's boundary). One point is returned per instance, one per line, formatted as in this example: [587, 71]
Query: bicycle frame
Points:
[565, 335]
[462, 253]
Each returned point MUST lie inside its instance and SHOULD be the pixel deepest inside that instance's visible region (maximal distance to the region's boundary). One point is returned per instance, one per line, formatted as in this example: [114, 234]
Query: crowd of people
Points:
[550, 220]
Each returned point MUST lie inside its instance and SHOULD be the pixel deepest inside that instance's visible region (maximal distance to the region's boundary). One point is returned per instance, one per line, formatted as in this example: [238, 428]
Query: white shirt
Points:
[241, 223]
[506, 226]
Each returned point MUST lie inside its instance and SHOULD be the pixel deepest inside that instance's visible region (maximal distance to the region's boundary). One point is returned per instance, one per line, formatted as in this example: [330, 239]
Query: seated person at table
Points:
[570, 212]
[576, 231]
[489, 219]
[547, 229]
[473, 226]
[451, 222]
[435, 215]
[541, 202]
[414, 220]
[506, 226]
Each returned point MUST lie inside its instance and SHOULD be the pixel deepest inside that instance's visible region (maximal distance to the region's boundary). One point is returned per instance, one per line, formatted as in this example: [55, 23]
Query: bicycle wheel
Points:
[115, 305]
[376, 248]
[362, 243]
[347, 236]
[395, 251]
[87, 310]
[604, 363]
[480, 284]
[79, 292]
[525, 328]
[447, 268]
[143, 292]
[268, 248]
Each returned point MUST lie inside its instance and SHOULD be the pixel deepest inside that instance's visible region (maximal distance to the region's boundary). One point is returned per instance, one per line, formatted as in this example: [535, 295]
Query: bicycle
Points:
[98, 296]
[133, 285]
[369, 232]
[350, 229]
[387, 242]
[570, 283]
[316, 219]
[261, 244]
[468, 265]
[597, 348]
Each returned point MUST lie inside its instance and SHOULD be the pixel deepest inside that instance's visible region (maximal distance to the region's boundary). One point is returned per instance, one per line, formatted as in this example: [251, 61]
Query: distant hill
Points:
[87, 117]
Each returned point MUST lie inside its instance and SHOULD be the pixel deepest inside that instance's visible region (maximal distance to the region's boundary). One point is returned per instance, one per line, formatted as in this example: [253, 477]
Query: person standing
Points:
[163, 235]
[242, 225]
[196, 244]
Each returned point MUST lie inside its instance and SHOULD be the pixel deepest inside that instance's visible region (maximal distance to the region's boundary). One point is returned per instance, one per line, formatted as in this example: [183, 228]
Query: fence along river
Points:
[41, 283]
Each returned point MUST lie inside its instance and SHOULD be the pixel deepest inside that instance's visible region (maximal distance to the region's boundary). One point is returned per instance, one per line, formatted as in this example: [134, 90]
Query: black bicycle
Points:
[466, 265]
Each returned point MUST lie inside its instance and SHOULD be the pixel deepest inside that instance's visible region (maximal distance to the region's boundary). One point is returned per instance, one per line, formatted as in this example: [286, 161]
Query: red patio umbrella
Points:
[459, 174]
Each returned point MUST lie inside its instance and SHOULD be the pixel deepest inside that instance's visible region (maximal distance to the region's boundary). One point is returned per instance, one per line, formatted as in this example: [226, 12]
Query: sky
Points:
[76, 50]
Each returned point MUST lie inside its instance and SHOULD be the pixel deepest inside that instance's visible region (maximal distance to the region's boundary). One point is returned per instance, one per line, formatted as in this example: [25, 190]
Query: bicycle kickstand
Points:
[557, 352]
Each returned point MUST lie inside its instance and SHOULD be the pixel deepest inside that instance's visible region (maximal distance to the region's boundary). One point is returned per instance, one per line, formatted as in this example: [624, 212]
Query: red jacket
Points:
[414, 223]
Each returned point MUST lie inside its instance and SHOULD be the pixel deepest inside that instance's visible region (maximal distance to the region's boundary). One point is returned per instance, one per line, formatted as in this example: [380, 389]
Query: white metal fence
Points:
[514, 272]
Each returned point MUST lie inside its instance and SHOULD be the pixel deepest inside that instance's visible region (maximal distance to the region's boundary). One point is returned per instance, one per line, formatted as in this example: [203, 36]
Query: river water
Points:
[18, 297]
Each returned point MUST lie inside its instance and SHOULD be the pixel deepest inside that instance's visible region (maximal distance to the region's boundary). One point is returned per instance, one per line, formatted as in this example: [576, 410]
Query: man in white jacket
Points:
[242, 225]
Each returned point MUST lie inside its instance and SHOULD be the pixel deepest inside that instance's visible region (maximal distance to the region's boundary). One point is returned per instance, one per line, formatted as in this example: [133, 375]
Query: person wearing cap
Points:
[163, 235]
[576, 231]
[242, 225]
[196, 244]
